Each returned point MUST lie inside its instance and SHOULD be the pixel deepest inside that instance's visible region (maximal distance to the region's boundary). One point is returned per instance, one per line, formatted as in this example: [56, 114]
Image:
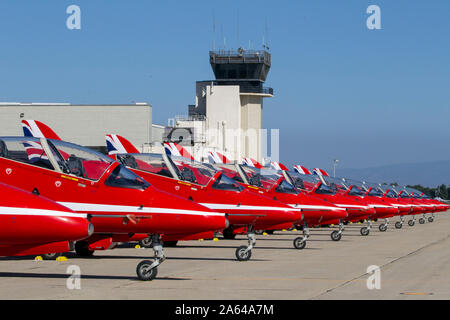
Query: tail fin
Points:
[174, 149]
[301, 169]
[118, 144]
[321, 172]
[37, 129]
[278, 166]
[251, 163]
[217, 157]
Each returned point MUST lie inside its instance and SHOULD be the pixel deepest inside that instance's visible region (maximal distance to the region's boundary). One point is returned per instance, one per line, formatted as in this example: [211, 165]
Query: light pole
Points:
[335, 162]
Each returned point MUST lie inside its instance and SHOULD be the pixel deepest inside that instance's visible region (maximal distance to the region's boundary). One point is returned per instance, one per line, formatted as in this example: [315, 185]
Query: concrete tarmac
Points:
[414, 264]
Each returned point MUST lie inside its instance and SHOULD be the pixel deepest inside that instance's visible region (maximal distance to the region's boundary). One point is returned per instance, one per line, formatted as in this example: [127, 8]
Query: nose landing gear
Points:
[366, 230]
[336, 235]
[412, 222]
[383, 227]
[300, 242]
[399, 224]
[147, 270]
[243, 253]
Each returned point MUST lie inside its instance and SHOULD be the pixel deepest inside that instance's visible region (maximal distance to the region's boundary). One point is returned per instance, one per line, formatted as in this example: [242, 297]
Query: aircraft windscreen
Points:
[286, 187]
[356, 187]
[416, 194]
[121, 177]
[391, 192]
[78, 160]
[303, 181]
[263, 178]
[228, 184]
[230, 171]
[336, 185]
[149, 162]
[193, 171]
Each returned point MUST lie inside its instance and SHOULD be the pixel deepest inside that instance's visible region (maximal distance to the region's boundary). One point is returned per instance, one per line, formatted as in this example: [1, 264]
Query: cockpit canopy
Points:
[357, 188]
[178, 168]
[336, 185]
[67, 158]
[304, 181]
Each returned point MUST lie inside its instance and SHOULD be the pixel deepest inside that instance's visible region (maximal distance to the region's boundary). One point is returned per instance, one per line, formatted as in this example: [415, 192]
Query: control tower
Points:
[232, 104]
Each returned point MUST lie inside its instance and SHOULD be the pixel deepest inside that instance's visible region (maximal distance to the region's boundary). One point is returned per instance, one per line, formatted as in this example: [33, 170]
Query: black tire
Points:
[430, 219]
[336, 235]
[299, 243]
[170, 243]
[382, 227]
[144, 273]
[82, 249]
[146, 243]
[411, 223]
[398, 225]
[259, 232]
[228, 234]
[270, 231]
[364, 231]
[241, 255]
[421, 220]
[51, 256]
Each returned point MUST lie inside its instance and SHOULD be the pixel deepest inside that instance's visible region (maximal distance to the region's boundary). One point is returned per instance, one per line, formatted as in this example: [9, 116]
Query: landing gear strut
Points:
[147, 270]
[300, 242]
[399, 224]
[336, 235]
[243, 253]
[383, 227]
[366, 230]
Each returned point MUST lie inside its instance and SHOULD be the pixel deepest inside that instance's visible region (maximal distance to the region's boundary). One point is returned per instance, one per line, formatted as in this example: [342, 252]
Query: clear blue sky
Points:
[366, 97]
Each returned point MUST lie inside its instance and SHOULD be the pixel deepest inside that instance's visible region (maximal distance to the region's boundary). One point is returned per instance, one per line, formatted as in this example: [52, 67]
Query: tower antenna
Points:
[214, 31]
[266, 35]
[238, 40]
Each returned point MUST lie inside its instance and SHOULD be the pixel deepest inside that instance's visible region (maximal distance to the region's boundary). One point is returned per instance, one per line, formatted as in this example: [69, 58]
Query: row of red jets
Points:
[61, 196]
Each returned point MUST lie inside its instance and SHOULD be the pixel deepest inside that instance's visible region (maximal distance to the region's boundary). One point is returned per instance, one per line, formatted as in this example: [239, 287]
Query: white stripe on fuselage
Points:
[350, 206]
[38, 212]
[308, 206]
[94, 207]
[219, 206]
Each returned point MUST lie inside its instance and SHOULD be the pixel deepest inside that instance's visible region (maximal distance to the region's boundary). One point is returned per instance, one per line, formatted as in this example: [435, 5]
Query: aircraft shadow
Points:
[83, 276]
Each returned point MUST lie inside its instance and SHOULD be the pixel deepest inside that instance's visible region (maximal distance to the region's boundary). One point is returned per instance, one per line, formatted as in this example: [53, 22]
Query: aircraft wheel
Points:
[382, 227]
[421, 220]
[229, 234]
[411, 223]
[144, 272]
[51, 256]
[146, 243]
[270, 231]
[364, 231]
[430, 219]
[299, 243]
[259, 232]
[170, 243]
[243, 255]
[398, 225]
[336, 236]
[82, 249]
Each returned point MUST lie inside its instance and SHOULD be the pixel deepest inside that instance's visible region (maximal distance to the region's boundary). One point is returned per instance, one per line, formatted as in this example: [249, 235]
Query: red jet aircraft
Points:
[316, 186]
[272, 183]
[118, 202]
[212, 190]
[30, 224]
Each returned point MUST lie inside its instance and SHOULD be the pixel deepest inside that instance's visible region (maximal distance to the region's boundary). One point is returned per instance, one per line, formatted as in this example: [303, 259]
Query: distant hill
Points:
[429, 174]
